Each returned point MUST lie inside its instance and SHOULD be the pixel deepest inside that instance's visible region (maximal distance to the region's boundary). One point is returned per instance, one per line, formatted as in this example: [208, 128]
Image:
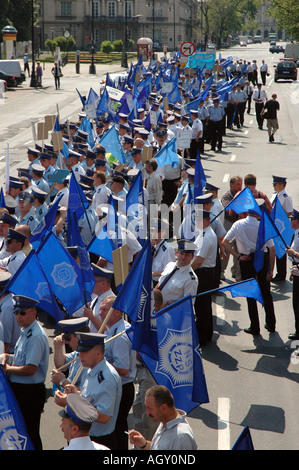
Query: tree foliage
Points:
[286, 14]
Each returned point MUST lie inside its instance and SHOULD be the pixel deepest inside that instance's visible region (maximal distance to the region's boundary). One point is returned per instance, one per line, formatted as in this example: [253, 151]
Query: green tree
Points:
[51, 44]
[107, 47]
[118, 45]
[286, 14]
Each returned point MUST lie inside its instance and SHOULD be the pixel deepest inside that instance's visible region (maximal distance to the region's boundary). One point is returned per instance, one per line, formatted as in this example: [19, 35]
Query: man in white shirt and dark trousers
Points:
[259, 97]
[245, 232]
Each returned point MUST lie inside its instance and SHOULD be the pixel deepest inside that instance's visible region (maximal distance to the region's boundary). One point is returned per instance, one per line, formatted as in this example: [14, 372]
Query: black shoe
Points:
[293, 336]
[260, 128]
[271, 330]
[250, 331]
[213, 148]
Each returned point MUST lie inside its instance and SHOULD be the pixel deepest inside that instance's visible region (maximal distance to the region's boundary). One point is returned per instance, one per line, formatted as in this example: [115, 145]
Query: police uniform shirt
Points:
[181, 192]
[260, 94]
[203, 113]
[3, 252]
[119, 353]
[74, 367]
[182, 283]
[10, 328]
[232, 96]
[42, 184]
[48, 173]
[241, 96]
[216, 113]
[13, 262]
[101, 195]
[87, 224]
[171, 173]
[84, 443]
[95, 307]
[176, 435]
[30, 220]
[163, 254]
[65, 197]
[196, 128]
[103, 389]
[40, 212]
[207, 244]
[285, 200]
[32, 348]
[217, 208]
[78, 171]
[245, 232]
[295, 245]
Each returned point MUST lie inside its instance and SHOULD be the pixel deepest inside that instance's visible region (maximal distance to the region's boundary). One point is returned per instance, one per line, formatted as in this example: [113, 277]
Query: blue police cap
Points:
[45, 155]
[36, 168]
[15, 183]
[37, 192]
[211, 187]
[101, 272]
[87, 341]
[26, 196]
[6, 218]
[82, 134]
[204, 199]
[21, 302]
[70, 325]
[33, 151]
[279, 179]
[14, 235]
[295, 215]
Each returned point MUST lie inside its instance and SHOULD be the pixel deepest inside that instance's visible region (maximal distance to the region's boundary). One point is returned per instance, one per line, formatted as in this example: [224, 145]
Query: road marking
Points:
[29, 142]
[251, 121]
[233, 158]
[226, 178]
[246, 132]
[223, 423]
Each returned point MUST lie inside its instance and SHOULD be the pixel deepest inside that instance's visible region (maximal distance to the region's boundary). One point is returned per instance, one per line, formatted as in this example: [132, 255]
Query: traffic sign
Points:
[187, 49]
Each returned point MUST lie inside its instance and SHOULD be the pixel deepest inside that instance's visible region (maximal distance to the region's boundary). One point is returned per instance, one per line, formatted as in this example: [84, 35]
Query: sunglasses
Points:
[20, 312]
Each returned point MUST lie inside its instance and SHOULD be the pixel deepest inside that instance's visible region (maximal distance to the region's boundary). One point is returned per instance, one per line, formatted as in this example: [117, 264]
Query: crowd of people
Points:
[96, 371]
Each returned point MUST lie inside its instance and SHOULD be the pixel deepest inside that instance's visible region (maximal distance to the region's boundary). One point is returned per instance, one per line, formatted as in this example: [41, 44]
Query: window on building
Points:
[96, 9]
[111, 9]
[66, 8]
[111, 35]
[129, 7]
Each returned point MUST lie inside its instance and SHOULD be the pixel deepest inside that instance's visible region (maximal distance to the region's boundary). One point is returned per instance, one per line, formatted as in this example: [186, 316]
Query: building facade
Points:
[168, 22]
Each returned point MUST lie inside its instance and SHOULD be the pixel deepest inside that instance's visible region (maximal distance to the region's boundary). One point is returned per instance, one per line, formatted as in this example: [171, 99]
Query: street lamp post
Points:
[153, 5]
[33, 81]
[124, 57]
[92, 68]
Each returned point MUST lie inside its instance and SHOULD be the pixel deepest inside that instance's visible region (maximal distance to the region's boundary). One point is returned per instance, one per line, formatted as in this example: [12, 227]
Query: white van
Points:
[13, 67]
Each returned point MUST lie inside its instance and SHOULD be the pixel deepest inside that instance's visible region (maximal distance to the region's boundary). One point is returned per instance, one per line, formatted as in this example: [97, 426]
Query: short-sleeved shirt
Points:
[175, 435]
[103, 389]
[32, 347]
[207, 244]
[272, 106]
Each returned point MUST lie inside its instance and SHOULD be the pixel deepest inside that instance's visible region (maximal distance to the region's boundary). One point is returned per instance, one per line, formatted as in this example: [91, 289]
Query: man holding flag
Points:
[245, 233]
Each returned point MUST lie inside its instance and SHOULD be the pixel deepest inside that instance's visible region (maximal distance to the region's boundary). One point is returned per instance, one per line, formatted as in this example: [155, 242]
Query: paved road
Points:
[251, 381]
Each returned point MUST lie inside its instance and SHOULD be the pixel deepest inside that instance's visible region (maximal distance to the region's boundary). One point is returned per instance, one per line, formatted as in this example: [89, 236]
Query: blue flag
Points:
[249, 288]
[283, 224]
[2, 199]
[105, 106]
[63, 274]
[91, 104]
[136, 210]
[112, 144]
[86, 271]
[13, 434]
[30, 280]
[199, 178]
[195, 103]
[136, 299]
[168, 154]
[102, 245]
[83, 99]
[78, 203]
[244, 202]
[267, 231]
[179, 364]
[86, 127]
[244, 441]
[45, 225]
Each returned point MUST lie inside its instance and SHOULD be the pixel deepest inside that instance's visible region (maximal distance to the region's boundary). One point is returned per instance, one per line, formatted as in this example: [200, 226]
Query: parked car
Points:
[276, 49]
[13, 68]
[10, 79]
[243, 43]
[286, 69]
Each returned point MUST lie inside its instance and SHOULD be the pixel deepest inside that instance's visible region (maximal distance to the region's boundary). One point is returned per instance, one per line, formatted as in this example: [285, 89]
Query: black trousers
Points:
[127, 399]
[195, 147]
[170, 189]
[203, 305]
[240, 113]
[230, 115]
[31, 399]
[281, 266]
[258, 109]
[215, 131]
[296, 302]
[247, 272]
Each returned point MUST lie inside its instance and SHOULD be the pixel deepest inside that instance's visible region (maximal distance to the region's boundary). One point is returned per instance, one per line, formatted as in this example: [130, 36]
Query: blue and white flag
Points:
[244, 202]
[86, 127]
[199, 178]
[111, 142]
[136, 299]
[283, 224]
[105, 106]
[168, 154]
[77, 202]
[63, 274]
[13, 431]
[30, 280]
[91, 104]
[179, 365]
[136, 210]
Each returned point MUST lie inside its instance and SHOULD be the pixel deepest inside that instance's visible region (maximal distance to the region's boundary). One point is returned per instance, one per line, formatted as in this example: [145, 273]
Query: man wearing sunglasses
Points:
[14, 243]
[27, 367]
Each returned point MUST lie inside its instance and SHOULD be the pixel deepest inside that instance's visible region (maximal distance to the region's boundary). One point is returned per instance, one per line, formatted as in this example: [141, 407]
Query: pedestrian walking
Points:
[57, 74]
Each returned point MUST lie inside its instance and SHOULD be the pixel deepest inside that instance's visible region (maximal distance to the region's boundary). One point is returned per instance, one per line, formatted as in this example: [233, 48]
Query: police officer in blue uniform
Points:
[216, 113]
[27, 367]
